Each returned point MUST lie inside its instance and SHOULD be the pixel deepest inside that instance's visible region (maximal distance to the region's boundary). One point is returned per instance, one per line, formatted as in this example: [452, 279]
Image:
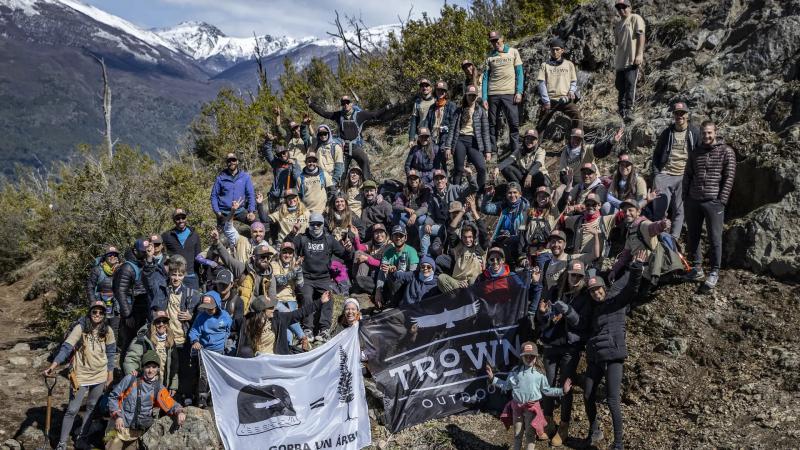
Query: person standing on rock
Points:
[673, 148]
[605, 349]
[629, 37]
[92, 343]
[503, 81]
[707, 185]
[558, 88]
[231, 184]
[419, 114]
[185, 241]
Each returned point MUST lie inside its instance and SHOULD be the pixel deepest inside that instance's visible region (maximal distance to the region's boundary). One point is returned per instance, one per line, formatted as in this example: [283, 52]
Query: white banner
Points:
[309, 401]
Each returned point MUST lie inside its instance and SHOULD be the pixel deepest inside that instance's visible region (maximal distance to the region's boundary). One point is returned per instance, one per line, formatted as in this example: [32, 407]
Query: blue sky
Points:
[241, 18]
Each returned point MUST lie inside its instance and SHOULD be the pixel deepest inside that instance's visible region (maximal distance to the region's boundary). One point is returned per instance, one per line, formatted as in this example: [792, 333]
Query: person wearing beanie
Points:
[558, 88]
[210, 331]
[317, 247]
[351, 314]
[132, 401]
[418, 284]
[91, 343]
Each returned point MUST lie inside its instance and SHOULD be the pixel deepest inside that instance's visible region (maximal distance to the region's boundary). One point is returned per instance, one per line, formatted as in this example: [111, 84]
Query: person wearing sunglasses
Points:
[497, 281]
[185, 241]
[350, 120]
[255, 276]
[99, 283]
[159, 254]
[422, 104]
[231, 184]
[91, 342]
[156, 336]
[440, 116]
[629, 56]
[418, 284]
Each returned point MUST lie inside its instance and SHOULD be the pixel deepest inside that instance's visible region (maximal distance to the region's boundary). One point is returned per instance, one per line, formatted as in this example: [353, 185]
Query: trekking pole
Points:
[686, 264]
[50, 383]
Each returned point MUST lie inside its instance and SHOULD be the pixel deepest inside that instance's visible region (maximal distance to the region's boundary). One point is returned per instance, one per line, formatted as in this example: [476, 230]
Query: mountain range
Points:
[50, 80]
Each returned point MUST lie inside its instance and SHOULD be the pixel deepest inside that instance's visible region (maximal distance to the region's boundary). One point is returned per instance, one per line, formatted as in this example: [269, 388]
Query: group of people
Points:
[264, 281]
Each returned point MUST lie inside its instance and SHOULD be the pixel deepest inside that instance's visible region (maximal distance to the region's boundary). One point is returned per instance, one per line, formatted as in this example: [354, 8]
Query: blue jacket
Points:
[511, 218]
[228, 188]
[212, 331]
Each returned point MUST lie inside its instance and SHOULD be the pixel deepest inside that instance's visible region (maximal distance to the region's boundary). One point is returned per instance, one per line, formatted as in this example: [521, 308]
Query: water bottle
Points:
[402, 264]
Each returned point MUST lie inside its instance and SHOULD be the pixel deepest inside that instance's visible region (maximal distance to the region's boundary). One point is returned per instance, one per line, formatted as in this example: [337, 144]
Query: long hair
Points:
[301, 208]
[170, 338]
[465, 102]
[630, 185]
[254, 325]
[343, 321]
[102, 329]
[346, 216]
[347, 185]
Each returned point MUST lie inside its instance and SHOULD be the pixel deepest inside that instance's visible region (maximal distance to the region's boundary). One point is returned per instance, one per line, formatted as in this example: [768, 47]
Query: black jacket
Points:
[570, 332]
[280, 324]
[128, 284]
[480, 126]
[98, 282]
[607, 337]
[448, 115]
[158, 290]
[664, 146]
[359, 117]
[317, 253]
[189, 250]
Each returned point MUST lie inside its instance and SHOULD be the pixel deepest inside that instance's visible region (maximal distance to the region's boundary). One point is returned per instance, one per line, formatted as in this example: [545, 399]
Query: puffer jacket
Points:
[498, 288]
[128, 285]
[710, 172]
[480, 125]
[448, 112]
[607, 337]
[122, 400]
[664, 146]
[140, 346]
[570, 332]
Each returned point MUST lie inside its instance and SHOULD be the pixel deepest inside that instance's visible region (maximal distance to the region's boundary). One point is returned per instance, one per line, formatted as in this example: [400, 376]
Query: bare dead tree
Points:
[408, 17]
[106, 106]
[354, 35]
[263, 82]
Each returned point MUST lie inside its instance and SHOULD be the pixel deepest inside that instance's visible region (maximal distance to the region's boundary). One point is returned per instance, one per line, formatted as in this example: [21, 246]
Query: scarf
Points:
[291, 208]
[590, 217]
[507, 220]
[573, 153]
[422, 277]
[315, 232]
[440, 102]
[161, 337]
[107, 268]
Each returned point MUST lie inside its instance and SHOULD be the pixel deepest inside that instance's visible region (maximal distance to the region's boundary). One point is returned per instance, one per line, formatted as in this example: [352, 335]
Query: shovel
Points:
[50, 383]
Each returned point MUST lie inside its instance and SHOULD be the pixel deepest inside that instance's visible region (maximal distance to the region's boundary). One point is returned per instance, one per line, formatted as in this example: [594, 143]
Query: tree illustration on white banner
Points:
[345, 389]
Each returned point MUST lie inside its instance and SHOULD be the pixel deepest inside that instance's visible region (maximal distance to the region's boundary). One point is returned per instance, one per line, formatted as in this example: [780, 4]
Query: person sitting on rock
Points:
[627, 183]
[512, 210]
[463, 262]
[290, 217]
[156, 336]
[418, 284]
[424, 157]
[577, 153]
[368, 260]
[590, 184]
[589, 228]
[526, 166]
[265, 330]
[132, 402]
[232, 184]
[91, 341]
[558, 88]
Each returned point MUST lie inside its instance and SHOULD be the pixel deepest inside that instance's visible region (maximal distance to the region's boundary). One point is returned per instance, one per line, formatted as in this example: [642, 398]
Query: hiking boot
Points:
[594, 439]
[309, 335]
[560, 436]
[542, 437]
[61, 446]
[550, 428]
[696, 274]
[325, 336]
[711, 280]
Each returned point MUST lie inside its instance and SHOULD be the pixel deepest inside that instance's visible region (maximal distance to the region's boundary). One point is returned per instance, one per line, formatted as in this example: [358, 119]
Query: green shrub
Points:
[674, 29]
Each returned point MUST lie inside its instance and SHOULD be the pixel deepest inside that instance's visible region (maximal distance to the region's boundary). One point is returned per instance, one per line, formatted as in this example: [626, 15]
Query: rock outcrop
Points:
[198, 432]
[733, 61]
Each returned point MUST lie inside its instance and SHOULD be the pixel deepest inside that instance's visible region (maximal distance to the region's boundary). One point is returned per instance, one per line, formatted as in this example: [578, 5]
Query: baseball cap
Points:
[576, 267]
[311, 155]
[316, 217]
[556, 42]
[294, 124]
[595, 282]
[529, 349]
[591, 197]
[288, 245]
[494, 35]
[156, 239]
[369, 184]
[160, 314]
[531, 132]
[280, 149]
[625, 158]
[150, 357]
[345, 99]
[97, 304]
[456, 206]
[576, 132]
[514, 186]
[424, 81]
[262, 303]
[378, 227]
[399, 229]
[412, 173]
[558, 234]
[178, 212]
[441, 85]
[628, 202]
[206, 306]
[263, 249]
[111, 250]
[439, 173]
[544, 189]
[622, 3]
[496, 250]
[224, 276]
[680, 107]
[231, 156]
[289, 192]
[141, 245]
[589, 166]
[471, 89]
[466, 62]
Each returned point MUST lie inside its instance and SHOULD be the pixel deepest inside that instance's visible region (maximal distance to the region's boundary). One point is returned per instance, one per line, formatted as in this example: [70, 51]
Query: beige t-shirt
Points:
[91, 362]
[585, 241]
[466, 122]
[161, 350]
[424, 106]
[286, 221]
[314, 195]
[328, 155]
[558, 78]
[678, 155]
[626, 32]
[468, 263]
[266, 341]
[173, 308]
[502, 74]
[285, 293]
[297, 151]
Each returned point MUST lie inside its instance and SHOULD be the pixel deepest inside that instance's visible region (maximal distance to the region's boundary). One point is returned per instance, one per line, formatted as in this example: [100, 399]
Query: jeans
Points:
[625, 83]
[562, 365]
[76, 399]
[356, 152]
[295, 328]
[240, 215]
[669, 201]
[322, 319]
[595, 371]
[511, 111]
[713, 213]
[467, 148]
[425, 238]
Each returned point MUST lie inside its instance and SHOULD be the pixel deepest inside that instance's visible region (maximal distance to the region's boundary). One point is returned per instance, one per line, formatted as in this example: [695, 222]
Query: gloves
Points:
[560, 307]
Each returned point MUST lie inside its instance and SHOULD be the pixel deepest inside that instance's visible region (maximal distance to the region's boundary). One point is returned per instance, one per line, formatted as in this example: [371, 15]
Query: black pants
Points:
[128, 333]
[355, 151]
[713, 213]
[188, 371]
[511, 112]
[321, 320]
[516, 173]
[595, 372]
[625, 82]
[569, 109]
[467, 148]
[557, 368]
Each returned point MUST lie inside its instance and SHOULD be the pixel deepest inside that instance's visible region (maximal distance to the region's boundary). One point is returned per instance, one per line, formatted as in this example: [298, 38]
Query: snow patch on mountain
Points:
[26, 6]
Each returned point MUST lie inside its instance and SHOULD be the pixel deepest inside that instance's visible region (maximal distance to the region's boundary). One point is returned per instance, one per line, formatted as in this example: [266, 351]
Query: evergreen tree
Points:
[345, 389]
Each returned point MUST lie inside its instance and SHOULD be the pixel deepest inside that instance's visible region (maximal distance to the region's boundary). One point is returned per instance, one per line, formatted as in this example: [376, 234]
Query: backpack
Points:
[541, 231]
[303, 181]
[664, 258]
[352, 122]
[572, 236]
[136, 270]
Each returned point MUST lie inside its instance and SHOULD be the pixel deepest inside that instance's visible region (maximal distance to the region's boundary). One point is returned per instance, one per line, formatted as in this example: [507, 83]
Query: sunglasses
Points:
[590, 204]
[181, 217]
[160, 322]
[232, 160]
[315, 224]
[426, 267]
[322, 134]
[398, 235]
[424, 85]
[287, 252]
[264, 257]
[311, 160]
[345, 102]
[157, 244]
[621, 7]
[98, 312]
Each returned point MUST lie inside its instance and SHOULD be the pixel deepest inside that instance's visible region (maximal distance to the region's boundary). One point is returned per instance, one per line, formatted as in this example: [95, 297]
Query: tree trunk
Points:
[106, 107]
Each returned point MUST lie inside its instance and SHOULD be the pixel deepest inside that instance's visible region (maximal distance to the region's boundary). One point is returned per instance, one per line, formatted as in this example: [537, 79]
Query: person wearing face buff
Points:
[418, 284]
[606, 348]
[329, 153]
[317, 247]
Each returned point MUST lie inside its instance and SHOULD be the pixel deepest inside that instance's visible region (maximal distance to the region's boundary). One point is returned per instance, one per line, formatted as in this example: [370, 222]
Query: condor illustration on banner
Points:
[428, 358]
[309, 401]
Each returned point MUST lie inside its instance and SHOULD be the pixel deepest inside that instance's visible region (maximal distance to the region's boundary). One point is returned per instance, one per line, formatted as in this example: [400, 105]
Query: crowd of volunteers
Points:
[596, 233]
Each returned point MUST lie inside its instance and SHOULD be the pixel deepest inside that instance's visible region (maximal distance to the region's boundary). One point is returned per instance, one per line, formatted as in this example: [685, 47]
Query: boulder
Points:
[198, 432]
[22, 347]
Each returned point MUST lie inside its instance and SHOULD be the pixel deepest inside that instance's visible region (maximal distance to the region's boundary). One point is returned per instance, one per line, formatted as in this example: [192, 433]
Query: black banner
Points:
[428, 359]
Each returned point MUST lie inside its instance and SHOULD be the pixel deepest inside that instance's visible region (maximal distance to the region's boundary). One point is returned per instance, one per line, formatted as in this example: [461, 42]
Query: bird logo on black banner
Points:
[264, 408]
